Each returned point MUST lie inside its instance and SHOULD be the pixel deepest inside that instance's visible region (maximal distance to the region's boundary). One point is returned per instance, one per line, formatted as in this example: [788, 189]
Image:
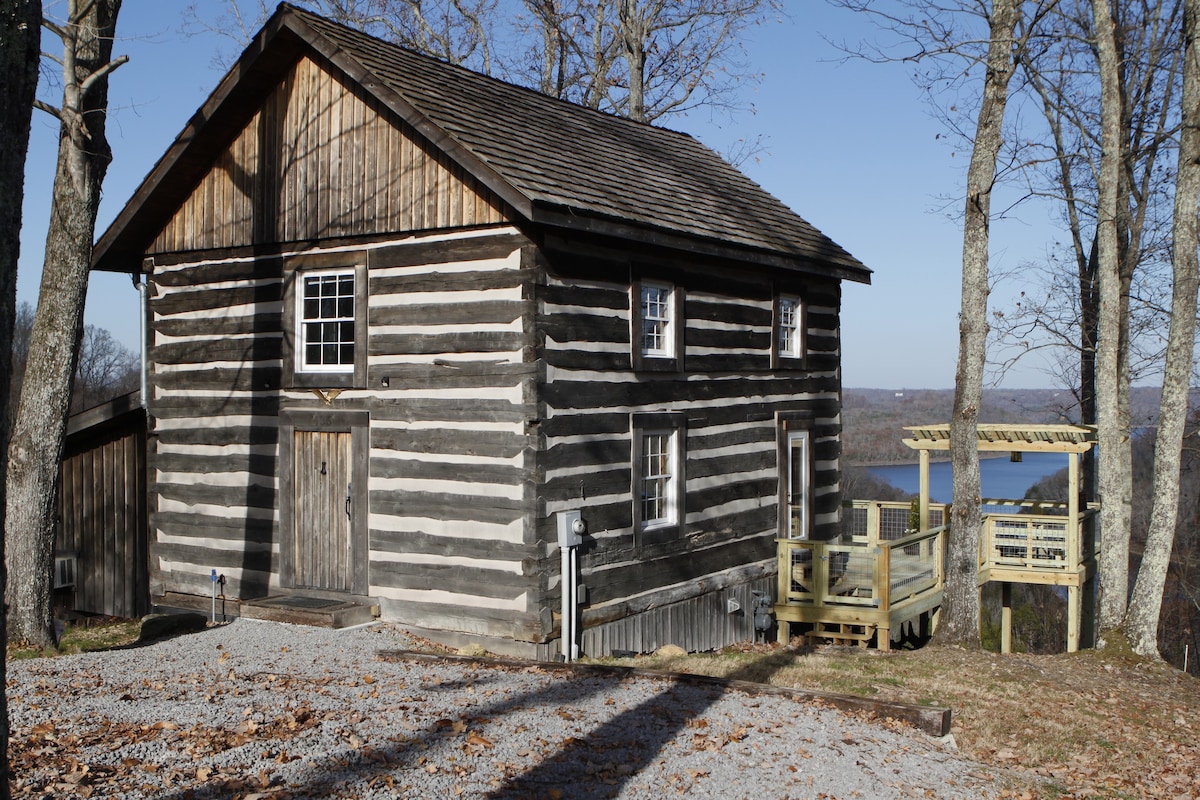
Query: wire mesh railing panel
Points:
[802, 578]
[852, 575]
[1026, 540]
[913, 569]
[893, 522]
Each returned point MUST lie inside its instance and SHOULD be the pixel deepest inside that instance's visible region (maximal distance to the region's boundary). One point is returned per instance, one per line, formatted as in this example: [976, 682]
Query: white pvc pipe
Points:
[141, 289]
[574, 583]
[567, 635]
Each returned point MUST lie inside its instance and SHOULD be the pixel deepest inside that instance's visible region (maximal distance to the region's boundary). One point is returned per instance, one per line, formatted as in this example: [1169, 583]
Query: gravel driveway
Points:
[266, 710]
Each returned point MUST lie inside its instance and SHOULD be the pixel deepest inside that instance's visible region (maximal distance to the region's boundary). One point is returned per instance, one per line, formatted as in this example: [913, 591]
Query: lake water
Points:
[1001, 478]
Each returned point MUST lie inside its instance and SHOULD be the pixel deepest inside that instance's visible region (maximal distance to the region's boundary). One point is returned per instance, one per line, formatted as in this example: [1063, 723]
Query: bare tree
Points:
[456, 31]
[19, 37]
[1112, 438]
[643, 59]
[960, 604]
[37, 437]
[1141, 623]
[944, 32]
[1124, 237]
[105, 368]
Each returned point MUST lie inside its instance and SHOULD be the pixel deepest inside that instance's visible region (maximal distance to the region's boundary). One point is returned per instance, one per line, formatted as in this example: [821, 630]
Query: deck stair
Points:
[843, 633]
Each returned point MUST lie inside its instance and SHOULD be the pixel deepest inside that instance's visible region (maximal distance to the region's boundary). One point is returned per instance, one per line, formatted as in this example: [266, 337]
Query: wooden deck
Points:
[883, 576]
[867, 586]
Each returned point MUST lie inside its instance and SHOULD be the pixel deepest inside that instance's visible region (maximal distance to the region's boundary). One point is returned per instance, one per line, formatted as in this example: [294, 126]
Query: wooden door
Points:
[322, 510]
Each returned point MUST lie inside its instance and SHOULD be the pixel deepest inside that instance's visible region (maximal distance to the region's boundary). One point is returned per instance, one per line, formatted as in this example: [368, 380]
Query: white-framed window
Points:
[657, 320]
[325, 321]
[657, 475]
[789, 327]
[796, 494]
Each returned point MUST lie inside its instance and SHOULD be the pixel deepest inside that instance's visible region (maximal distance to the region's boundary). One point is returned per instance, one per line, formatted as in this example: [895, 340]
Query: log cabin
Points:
[406, 322]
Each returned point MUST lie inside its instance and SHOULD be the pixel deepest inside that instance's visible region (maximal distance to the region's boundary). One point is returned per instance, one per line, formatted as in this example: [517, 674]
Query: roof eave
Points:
[574, 220]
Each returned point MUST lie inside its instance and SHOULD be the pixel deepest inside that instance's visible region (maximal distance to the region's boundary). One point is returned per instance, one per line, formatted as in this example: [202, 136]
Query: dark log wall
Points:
[320, 159]
[731, 397]
[451, 452]
[449, 393]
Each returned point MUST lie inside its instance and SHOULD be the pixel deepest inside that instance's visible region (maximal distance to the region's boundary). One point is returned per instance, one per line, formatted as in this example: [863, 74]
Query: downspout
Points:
[141, 285]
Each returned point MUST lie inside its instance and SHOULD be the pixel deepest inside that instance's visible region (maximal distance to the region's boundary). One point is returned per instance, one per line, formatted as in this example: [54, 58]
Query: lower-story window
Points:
[658, 472]
[795, 476]
[658, 478]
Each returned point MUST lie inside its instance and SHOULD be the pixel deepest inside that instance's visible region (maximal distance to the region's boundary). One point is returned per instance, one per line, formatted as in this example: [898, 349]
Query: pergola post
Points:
[923, 456]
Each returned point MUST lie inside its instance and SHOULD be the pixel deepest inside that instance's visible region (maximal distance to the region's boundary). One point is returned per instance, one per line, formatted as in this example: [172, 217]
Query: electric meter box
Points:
[570, 528]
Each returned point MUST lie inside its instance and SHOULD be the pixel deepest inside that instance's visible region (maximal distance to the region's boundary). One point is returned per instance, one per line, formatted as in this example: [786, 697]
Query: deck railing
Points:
[859, 574]
[881, 574]
[1038, 543]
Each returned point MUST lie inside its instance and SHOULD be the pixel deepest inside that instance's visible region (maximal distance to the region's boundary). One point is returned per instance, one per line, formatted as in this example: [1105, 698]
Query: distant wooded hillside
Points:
[874, 419]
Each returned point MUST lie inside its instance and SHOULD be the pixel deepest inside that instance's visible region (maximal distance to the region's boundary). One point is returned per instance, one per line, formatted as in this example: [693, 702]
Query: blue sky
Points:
[850, 146]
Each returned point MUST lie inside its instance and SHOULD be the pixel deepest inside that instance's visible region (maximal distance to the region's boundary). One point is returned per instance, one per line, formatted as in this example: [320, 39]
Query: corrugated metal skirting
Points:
[697, 625]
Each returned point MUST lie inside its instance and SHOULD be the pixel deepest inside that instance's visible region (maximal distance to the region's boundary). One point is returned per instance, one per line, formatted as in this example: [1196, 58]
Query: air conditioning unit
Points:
[64, 572]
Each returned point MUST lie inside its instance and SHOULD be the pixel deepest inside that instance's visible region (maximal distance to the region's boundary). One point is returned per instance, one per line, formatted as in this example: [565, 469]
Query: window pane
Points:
[656, 319]
[788, 335]
[657, 480]
[326, 310]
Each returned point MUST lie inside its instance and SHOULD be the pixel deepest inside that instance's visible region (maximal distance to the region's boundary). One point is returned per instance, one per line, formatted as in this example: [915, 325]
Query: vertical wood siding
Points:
[102, 518]
[730, 397]
[320, 159]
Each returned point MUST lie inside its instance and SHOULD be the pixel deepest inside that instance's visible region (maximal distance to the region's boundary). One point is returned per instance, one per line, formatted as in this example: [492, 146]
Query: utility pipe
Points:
[141, 289]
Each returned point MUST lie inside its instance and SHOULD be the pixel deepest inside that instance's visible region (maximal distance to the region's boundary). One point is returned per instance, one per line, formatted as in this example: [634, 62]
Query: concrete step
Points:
[315, 611]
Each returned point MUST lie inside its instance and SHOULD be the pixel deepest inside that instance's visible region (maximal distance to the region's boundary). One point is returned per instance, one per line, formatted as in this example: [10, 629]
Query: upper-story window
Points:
[788, 345]
[658, 332]
[325, 324]
[325, 318]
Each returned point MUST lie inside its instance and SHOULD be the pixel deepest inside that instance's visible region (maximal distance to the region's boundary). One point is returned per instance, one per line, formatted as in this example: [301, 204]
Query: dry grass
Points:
[1089, 724]
[80, 638]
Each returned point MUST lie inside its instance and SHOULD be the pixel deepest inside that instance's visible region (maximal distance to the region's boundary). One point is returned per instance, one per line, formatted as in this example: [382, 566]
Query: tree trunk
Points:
[1141, 623]
[959, 622]
[1088, 312]
[633, 30]
[1114, 501]
[37, 438]
[20, 31]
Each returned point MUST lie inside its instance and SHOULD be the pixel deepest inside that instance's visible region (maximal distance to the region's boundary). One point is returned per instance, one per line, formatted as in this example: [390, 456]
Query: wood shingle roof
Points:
[556, 163]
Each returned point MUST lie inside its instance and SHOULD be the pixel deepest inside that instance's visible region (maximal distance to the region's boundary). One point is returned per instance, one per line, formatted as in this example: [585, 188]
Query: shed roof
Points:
[556, 163]
[1009, 437]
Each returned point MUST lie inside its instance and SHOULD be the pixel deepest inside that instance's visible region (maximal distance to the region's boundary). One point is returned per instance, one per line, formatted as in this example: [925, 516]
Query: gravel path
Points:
[265, 710]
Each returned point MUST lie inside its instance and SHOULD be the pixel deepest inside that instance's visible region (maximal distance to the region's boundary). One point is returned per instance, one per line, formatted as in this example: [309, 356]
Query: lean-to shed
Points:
[403, 316]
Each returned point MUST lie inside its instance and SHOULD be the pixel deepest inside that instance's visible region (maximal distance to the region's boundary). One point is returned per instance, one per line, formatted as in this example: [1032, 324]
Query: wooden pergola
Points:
[1051, 549]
